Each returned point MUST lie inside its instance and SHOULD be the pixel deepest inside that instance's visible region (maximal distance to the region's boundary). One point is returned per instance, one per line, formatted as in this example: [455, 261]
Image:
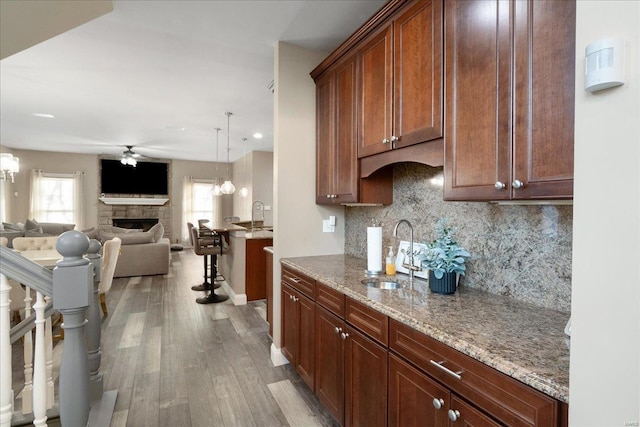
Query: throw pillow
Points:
[13, 227]
[157, 231]
[35, 233]
[136, 238]
[34, 226]
[92, 233]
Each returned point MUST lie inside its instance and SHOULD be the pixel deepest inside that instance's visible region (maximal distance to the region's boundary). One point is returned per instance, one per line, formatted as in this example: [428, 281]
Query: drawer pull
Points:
[438, 403]
[440, 365]
[294, 279]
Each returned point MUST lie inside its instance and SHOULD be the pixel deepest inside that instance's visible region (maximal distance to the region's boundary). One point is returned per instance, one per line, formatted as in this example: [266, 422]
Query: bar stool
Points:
[212, 246]
[206, 285]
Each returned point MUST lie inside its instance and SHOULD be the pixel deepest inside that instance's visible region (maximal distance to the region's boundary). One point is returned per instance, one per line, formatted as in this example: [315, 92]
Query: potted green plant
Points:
[445, 259]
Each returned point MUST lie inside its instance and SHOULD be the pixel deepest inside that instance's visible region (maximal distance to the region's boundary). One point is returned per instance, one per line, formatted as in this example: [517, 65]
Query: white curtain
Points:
[78, 204]
[187, 205]
[57, 197]
[36, 205]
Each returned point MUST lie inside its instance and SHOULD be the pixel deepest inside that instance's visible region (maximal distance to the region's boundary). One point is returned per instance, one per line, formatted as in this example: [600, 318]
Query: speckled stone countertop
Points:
[521, 340]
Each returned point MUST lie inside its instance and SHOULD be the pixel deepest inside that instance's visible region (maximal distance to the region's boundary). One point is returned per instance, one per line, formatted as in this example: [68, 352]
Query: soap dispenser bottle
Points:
[390, 265]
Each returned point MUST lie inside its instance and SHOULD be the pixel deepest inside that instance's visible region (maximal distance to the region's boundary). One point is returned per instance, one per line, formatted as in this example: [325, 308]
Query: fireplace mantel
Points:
[133, 201]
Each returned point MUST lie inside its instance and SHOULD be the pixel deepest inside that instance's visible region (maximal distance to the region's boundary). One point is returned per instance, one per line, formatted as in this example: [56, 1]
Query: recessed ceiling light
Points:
[257, 135]
[44, 115]
[174, 127]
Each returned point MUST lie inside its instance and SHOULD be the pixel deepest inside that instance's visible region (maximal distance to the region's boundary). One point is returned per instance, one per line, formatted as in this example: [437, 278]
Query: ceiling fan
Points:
[129, 156]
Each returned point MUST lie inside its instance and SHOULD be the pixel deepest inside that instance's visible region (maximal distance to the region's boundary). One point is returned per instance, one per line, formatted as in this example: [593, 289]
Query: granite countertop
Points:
[521, 340]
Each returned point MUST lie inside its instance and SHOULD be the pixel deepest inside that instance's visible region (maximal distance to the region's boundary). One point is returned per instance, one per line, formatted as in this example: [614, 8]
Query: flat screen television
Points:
[146, 178]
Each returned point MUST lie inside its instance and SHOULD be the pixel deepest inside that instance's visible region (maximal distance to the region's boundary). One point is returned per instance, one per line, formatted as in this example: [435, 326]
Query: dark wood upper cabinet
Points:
[400, 80]
[509, 73]
[336, 161]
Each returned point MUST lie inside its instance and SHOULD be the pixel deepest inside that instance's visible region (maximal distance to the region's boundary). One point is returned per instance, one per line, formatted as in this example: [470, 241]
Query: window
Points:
[56, 197]
[198, 203]
[203, 202]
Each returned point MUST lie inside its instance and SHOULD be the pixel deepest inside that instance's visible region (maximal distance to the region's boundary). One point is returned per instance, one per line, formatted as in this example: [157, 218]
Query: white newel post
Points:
[39, 369]
[27, 391]
[48, 344]
[93, 330]
[72, 290]
[6, 393]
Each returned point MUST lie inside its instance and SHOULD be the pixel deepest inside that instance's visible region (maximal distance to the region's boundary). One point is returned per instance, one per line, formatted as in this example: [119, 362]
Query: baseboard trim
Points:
[238, 299]
[277, 358]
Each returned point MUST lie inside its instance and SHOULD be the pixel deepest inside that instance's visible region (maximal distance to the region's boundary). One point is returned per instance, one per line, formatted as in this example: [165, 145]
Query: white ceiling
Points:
[159, 75]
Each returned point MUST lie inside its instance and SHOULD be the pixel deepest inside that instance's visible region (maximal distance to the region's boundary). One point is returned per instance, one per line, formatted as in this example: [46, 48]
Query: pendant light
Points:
[216, 191]
[244, 192]
[227, 186]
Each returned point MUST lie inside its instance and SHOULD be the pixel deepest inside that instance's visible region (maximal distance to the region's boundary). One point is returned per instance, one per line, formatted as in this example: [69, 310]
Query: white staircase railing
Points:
[72, 289]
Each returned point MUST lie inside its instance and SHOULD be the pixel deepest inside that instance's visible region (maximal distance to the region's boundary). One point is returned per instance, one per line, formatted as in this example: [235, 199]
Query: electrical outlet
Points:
[327, 227]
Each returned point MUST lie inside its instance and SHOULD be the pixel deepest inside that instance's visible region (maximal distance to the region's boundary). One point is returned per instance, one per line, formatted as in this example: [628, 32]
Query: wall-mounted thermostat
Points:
[604, 64]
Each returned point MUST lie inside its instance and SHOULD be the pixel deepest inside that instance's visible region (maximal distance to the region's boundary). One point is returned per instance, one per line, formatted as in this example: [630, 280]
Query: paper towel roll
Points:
[374, 249]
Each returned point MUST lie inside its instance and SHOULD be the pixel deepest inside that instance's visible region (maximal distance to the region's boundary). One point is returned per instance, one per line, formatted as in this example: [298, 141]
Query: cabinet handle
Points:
[517, 184]
[394, 138]
[438, 403]
[499, 185]
[454, 414]
[338, 330]
[296, 299]
[294, 279]
[440, 365]
[385, 141]
[344, 335]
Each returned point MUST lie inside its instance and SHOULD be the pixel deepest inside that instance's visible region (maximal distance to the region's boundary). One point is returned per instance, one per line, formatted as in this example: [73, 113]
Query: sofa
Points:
[142, 253]
[32, 228]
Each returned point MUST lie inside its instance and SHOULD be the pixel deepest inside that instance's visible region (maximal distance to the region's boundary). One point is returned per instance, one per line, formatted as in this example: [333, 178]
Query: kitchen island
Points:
[520, 340]
[244, 265]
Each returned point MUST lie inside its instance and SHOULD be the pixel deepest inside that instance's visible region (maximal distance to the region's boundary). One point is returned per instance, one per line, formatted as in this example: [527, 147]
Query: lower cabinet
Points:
[351, 372]
[365, 381]
[411, 394]
[298, 332]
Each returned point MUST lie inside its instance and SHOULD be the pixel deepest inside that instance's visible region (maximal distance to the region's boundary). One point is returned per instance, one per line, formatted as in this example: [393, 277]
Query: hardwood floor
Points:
[178, 363]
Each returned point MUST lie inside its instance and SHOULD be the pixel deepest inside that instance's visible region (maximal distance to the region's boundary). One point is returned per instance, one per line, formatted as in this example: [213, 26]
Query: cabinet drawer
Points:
[330, 299]
[506, 399]
[299, 281]
[368, 320]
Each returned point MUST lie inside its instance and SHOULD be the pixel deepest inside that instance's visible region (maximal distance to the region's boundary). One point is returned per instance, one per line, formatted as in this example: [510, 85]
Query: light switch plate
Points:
[327, 227]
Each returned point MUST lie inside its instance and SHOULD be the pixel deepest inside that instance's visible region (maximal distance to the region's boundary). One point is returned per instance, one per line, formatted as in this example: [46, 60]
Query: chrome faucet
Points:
[253, 210]
[410, 266]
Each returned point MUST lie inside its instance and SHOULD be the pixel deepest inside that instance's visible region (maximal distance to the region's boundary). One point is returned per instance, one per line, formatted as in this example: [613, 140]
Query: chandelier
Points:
[216, 191]
[9, 165]
[244, 191]
[227, 186]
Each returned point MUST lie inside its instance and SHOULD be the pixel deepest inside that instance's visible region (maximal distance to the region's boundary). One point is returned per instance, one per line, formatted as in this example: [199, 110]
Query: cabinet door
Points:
[417, 74]
[411, 396]
[330, 362]
[375, 97]
[365, 381]
[325, 139]
[467, 416]
[346, 158]
[289, 324]
[477, 99]
[305, 362]
[544, 40]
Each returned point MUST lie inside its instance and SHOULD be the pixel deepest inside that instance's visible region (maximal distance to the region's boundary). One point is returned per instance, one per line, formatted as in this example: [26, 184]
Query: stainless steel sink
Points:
[381, 284]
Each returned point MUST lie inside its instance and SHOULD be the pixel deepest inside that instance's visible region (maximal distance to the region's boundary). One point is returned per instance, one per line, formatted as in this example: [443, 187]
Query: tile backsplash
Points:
[523, 252]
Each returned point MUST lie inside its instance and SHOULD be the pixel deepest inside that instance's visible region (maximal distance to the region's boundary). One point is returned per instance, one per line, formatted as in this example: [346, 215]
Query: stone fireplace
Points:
[131, 212]
[139, 223]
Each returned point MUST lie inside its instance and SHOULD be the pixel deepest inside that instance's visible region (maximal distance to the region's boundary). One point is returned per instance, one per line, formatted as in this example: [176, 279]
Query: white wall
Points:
[297, 219]
[605, 343]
